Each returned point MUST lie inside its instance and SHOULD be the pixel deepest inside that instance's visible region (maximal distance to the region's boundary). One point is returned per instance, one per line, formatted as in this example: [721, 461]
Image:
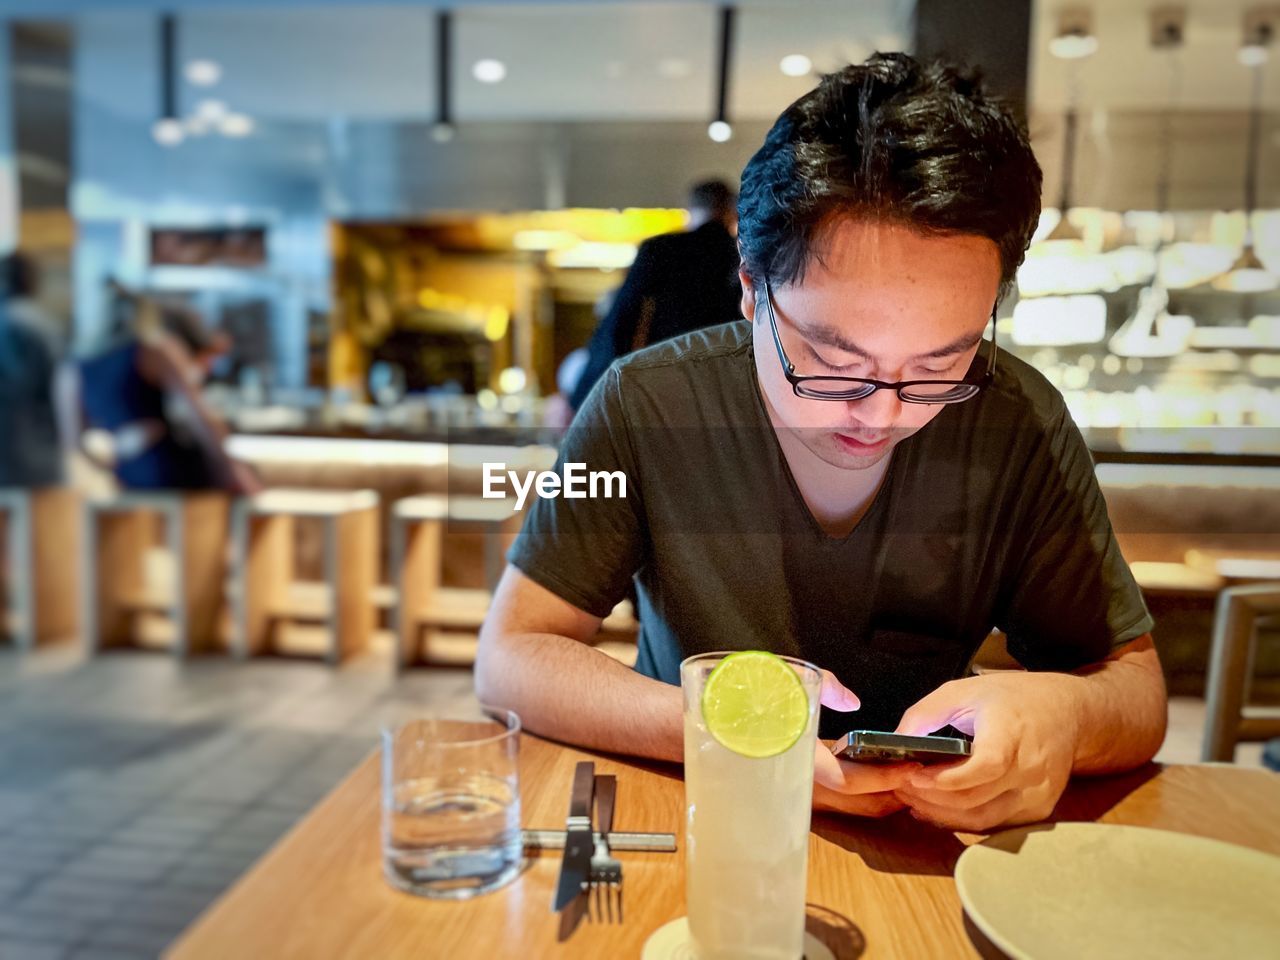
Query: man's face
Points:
[878, 301]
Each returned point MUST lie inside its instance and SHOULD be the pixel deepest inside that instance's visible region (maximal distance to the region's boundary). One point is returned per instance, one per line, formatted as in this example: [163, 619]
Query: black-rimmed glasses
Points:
[857, 388]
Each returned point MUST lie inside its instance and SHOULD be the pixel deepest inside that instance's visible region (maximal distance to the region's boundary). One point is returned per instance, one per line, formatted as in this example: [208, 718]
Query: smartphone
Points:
[871, 746]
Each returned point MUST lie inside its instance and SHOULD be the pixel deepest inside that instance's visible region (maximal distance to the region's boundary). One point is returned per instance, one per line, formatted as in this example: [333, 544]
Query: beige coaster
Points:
[672, 942]
[1095, 890]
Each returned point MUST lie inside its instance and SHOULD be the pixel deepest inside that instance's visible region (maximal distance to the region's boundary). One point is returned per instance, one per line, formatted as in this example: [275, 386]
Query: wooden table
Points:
[876, 888]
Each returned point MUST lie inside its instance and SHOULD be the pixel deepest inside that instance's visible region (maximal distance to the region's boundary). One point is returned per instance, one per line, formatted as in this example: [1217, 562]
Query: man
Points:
[30, 450]
[679, 282]
[854, 476]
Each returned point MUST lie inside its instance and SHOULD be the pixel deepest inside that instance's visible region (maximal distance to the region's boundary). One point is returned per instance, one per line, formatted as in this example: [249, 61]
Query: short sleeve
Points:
[587, 550]
[1071, 599]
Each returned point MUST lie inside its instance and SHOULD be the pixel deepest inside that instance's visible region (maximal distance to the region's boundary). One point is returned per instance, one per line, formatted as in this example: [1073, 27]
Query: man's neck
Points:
[837, 498]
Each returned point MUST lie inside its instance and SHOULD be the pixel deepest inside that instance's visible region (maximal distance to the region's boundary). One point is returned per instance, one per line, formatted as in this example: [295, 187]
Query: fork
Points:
[606, 871]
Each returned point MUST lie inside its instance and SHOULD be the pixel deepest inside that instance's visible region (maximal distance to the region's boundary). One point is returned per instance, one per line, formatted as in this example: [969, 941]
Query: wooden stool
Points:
[1228, 718]
[120, 531]
[417, 542]
[262, 545]
[40, 546]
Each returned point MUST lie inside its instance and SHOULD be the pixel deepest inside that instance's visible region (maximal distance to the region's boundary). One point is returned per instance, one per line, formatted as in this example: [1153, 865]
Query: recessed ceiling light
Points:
[211, 110]
[196, 126]
[489, 71]
[168, 132]
[203, 73]
[796, 65]
[673, 68]
[235, 125]
[719, 131]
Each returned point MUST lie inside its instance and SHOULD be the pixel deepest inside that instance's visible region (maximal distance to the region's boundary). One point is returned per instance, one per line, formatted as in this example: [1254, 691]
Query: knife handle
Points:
[584, 785]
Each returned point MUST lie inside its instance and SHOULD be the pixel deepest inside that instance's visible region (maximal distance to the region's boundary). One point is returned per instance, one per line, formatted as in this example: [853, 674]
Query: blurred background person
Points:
[145, 390]
[30, 452]
[679, 282]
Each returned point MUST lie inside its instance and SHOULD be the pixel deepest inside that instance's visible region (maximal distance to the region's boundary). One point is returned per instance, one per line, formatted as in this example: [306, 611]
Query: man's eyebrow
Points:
[827, 336]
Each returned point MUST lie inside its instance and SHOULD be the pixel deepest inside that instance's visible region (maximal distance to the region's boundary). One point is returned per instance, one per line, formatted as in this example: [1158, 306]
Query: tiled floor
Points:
[134, 789]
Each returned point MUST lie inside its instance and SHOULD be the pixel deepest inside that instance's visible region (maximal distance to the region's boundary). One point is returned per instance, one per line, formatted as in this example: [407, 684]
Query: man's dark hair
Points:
[896, 140]
[714, 196]
[19, 276]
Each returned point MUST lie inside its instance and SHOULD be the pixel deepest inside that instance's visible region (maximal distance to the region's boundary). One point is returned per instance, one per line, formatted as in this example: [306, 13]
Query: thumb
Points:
[836, 695]
[932, 712]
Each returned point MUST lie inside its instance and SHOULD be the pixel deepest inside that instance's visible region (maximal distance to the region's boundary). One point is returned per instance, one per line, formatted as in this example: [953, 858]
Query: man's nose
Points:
[880, 411]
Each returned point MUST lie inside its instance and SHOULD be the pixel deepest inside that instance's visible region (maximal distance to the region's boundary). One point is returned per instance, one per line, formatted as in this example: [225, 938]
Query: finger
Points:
[992, 757]
[836, 695]
[932, 712]
[967, 799]
[873, 777]
[983, 817]
[862, 805]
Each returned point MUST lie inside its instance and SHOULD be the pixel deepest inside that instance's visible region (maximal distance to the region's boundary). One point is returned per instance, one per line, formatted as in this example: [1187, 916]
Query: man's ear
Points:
[748, 294]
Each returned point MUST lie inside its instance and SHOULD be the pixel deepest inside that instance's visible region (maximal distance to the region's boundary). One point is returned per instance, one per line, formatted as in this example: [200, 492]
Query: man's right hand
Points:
[860, 789]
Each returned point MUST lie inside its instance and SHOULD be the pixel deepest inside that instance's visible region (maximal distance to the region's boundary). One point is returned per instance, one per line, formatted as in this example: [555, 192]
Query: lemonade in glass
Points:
[750, 729]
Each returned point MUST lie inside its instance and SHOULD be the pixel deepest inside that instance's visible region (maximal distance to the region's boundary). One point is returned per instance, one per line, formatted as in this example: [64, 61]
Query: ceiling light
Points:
[235, 125]
[168, 132]
[719, 129]
[442, 130]
[1259, 34]
[211, 110]
[1074, 38]
[1073, 46]
[489, 71]
[796, 65]
[674, 68]
[196, 126]
[1253, 55]
[203, 73]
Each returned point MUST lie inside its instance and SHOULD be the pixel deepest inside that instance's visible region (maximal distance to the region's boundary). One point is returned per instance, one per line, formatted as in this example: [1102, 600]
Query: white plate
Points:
[1072, 890]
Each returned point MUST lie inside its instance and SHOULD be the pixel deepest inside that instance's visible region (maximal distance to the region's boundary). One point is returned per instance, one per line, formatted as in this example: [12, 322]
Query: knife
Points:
[618, 841]
[576, 866]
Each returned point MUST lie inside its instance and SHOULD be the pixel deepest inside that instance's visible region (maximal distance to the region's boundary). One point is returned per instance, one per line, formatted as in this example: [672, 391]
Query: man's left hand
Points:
[1024, 727]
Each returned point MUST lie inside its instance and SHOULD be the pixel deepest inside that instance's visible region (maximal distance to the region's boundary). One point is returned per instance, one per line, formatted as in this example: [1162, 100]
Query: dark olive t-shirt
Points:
[989, 516]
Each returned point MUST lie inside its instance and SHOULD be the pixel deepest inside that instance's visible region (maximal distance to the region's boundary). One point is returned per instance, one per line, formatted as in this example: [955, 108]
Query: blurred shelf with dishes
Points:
[1164, 342]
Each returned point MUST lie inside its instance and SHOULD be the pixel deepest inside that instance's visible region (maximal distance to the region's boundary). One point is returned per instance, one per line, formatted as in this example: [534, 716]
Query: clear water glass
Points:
[451, 805]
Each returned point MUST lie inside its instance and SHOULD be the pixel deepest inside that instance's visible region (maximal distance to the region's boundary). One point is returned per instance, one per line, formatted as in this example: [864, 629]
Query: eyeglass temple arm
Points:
[787, 365]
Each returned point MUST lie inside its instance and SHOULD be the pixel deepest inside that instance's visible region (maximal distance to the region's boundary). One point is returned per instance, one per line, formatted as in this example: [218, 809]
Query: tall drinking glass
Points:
[451, 805]
[747, 843]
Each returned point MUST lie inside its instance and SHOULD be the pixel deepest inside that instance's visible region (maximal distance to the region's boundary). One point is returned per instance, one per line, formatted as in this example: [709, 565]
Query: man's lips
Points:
[862, 444]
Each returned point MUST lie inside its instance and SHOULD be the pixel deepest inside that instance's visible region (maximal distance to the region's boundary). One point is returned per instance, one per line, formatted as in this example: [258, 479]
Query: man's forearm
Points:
[1122, 711]
[564, 689]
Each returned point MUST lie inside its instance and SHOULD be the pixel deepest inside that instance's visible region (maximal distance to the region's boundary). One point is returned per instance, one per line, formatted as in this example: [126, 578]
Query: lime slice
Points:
[754, 704]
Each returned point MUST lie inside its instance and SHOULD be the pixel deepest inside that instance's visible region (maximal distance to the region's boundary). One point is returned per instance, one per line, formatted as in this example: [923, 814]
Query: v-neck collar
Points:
[879, 498]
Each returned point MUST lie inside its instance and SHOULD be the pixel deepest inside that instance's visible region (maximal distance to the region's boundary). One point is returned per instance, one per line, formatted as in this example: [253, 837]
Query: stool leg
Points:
[16, 582]
[114, 579]
[1233, 624]
[201, 557]
[416, 565]
[351, 564]
[55, 543]
[268, 572]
